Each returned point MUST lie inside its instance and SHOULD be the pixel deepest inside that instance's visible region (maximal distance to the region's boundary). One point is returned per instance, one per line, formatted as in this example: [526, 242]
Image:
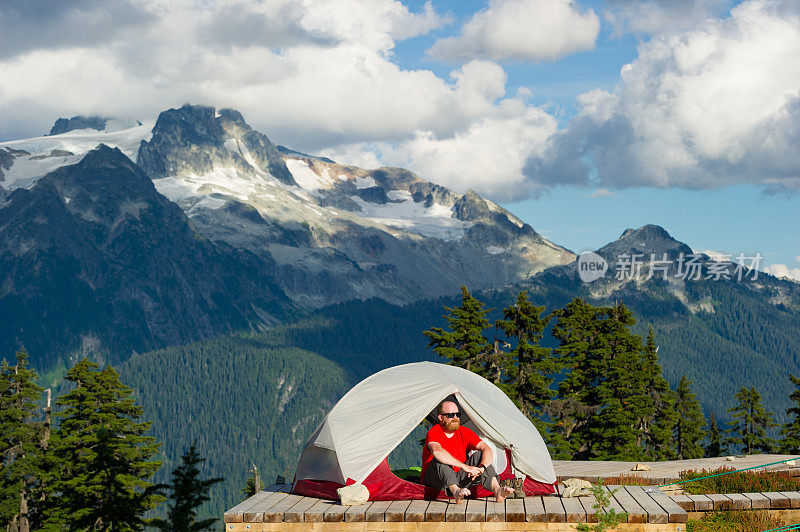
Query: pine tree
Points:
[791, 430]
[531, 367]
[716, 446]
[465, 345]
[690, 425]
[657, 428]
[615, 432]
[576, 329]
[20, 442]
[603, 397]
[187, 493]
[104, 459]
[750, 423]
[253, 484]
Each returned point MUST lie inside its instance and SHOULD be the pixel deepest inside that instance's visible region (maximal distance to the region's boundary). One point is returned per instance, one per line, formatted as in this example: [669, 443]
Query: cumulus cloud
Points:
[316, 76]
[660, 16]
[43, 24]
[311, 73]
[784, 271]
[708, 107]
[525, 30]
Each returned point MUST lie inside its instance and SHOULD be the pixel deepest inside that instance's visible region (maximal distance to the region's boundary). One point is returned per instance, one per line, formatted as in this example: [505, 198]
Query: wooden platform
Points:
[647, 509]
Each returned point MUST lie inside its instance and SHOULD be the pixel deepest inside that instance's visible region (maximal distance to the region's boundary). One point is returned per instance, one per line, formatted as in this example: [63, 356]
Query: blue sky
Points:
[730, 219]
[582, 117]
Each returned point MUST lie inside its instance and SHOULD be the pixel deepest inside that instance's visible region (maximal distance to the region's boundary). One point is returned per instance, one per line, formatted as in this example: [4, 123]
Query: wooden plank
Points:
[553, 509]
[236, 514]
[636, 513]
[276, 512]
[515, 510]
[316, 514]
[655, 514]
[721, 502]
[335, 514]
[757, 501]
[296, 513]
[396, 511]
[356, 514]
[794, 498]
[534, 510]
[436, 511]
[377, 512]
[476, 510]
[777, 501]
[495, 511]
[684, 501]
[613, 503]
[573, 510]
[703, 503]
[455, 513]
[416, 511]
[257, 513]
[676, 513]
[588, 503]
[739, 501]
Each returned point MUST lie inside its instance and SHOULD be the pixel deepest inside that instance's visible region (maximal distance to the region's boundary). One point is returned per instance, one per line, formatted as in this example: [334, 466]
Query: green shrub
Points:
[745, 482]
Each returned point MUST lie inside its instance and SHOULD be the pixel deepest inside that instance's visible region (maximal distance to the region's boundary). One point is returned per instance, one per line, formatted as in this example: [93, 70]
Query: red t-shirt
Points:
[462, 440]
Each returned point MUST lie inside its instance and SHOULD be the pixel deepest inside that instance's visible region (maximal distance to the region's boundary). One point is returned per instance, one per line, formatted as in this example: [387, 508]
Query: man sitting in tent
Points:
[444, 458]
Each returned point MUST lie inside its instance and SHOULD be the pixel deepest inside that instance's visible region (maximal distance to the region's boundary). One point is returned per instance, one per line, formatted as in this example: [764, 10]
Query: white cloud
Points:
[660, 16]
[316, 76]
[487, 156]
[716, 105]
[526, 30]
[784, 271]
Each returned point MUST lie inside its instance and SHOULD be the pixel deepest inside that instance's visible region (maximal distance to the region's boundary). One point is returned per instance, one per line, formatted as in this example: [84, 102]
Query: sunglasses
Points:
[452, 415]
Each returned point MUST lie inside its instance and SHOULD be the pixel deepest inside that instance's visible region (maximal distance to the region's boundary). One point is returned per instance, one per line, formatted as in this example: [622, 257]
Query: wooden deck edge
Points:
[440, 527]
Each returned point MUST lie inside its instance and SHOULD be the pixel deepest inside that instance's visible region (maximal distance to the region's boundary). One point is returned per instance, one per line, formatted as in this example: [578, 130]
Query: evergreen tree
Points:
[104, 459]
[750, 423]
[690, 425]
[603, 397]
[575, 329]
[465, 345]
[187, 493]
[716, 446]
[20, 442]
[531, 366]
[658, 427]
[791, 430]
[616, 431]
[254, 484]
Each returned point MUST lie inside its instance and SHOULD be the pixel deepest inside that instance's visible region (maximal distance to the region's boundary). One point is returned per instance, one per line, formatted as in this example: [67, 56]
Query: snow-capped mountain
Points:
[336, 232]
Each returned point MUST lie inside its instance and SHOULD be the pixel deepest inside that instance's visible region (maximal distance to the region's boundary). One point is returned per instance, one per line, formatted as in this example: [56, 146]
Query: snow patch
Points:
[226, 181]
[27, 169]
[494, 250]
[364, 182]
[307, 178]
[434, 221]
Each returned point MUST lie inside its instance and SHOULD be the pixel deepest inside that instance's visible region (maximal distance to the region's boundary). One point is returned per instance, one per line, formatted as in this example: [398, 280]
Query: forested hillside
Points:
[255, 399]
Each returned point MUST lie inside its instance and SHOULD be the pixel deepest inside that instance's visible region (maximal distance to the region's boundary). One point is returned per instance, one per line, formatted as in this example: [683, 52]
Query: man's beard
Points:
[452, 424]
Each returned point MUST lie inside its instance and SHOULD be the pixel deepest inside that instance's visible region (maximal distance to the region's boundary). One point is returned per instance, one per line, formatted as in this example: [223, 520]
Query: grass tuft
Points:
[728, 521]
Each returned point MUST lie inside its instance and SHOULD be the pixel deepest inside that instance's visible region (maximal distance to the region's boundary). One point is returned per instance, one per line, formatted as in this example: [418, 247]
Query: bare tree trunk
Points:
[24, 525]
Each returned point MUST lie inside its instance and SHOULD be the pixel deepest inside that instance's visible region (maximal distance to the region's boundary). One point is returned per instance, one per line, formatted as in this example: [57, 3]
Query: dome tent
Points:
[352, 443]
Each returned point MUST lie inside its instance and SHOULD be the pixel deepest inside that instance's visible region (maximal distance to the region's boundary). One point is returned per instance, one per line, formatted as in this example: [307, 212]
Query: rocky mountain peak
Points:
[197, 139]
[648, 239]
[99, 123]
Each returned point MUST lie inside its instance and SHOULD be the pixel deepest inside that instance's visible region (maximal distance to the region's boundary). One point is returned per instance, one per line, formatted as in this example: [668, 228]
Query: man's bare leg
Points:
[458, 493]
[501, 493]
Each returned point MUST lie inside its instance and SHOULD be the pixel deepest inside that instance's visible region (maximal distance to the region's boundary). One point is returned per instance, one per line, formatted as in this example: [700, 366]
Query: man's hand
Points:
[472, 471]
